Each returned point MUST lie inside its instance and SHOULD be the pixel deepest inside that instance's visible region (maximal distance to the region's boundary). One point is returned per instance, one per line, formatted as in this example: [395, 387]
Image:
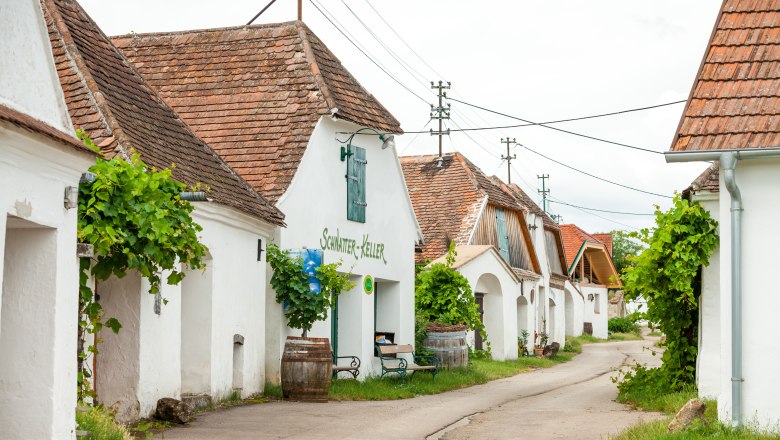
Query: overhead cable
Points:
[599, 210]
[597, 177]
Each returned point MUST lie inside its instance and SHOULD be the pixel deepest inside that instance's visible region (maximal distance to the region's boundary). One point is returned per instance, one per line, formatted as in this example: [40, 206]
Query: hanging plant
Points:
[135, 220]
[302, 307]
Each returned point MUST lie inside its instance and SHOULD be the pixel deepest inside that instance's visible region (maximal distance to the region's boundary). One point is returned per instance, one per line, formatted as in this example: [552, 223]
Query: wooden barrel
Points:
[449, 347]
[306, 369]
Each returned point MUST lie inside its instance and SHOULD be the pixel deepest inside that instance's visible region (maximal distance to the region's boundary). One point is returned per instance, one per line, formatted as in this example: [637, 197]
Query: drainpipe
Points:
[728, 164]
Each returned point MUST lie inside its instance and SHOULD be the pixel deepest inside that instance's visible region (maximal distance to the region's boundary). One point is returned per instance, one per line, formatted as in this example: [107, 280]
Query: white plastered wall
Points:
[33, 174]
[595, 311]
[759, 184]
[575, 309]
[708, 368]
[316, 199]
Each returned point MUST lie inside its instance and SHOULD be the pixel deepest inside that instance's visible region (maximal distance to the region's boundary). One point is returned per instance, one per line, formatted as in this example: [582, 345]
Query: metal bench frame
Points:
[352, 368]
[401, 366]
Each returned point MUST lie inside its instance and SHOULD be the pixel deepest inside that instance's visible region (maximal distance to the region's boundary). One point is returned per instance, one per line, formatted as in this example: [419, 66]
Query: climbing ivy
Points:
[443, 295]
[667, 275]
[302, 307]
[134, 218]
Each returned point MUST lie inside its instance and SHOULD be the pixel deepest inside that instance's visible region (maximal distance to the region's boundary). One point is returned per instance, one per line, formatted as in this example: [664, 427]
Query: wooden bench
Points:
[353, 367]
[402, 367]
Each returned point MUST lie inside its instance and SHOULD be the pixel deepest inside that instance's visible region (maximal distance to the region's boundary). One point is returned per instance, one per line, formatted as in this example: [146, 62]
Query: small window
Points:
[596, 303]
[356, 185]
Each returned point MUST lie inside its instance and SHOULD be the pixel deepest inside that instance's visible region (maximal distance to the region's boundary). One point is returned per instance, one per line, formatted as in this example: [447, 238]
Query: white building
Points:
[592, 273]
[732, 117]
[209, 339]
[456, 202]
[41, 162]
[280, 108]
[562, 305]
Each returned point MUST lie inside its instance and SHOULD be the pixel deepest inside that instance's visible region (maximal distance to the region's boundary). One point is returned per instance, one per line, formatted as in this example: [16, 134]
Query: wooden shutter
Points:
[356, 185]
[503, 238]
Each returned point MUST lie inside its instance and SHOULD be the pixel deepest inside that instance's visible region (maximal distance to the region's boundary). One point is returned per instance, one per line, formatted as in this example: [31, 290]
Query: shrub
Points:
[100, 423]
[622, 325]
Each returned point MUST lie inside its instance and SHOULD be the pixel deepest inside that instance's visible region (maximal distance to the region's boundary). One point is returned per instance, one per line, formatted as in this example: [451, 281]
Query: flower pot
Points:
[306, 369]
[538, 351]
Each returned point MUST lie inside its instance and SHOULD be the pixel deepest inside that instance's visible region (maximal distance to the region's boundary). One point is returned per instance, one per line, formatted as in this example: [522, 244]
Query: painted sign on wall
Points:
[358, 249]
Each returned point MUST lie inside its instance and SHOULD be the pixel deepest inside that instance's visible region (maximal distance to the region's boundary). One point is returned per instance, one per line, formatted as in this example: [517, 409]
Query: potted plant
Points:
[444, 300]
[306, 289]
[522, 343]
[542, 337]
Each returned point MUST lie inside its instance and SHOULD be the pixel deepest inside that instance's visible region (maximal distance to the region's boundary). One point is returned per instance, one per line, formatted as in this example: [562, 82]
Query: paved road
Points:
[570, 401]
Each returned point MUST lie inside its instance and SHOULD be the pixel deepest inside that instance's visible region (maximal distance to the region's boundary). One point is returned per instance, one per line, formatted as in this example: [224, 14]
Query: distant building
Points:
[41, 163]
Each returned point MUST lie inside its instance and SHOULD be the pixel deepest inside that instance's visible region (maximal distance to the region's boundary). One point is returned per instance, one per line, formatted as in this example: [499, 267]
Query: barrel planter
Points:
[306, 369]
[448, 344]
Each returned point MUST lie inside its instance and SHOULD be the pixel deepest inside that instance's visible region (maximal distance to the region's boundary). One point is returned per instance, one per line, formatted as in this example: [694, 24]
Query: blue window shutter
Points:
[503, 238]
[356, 185]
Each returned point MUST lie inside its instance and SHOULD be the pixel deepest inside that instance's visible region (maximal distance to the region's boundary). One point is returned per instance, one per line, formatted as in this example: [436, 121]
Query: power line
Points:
[415, 137]
[261, 12]
[365, 54]
[472, 139]
[597, 177]
[600, 210]
[558, 121]
[558, 129]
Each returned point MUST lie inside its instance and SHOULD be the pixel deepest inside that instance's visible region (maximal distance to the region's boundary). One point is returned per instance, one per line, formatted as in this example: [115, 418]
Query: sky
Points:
[535, 60]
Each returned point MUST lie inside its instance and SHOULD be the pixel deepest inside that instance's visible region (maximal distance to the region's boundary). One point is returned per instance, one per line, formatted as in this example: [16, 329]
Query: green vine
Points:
[443, 295]
[291, 283]
[136, 221]
[667, 275]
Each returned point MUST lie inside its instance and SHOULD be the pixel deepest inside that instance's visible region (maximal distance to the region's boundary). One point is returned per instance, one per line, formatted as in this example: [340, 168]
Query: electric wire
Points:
[595, 176]
[599, 210]
[365, 54]
[261, 12]
[408, 144]
[647, 150]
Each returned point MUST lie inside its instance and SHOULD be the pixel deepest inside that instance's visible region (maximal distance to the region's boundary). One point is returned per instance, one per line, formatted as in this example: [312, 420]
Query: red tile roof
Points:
[606, 239]
[254, 93]
[735, 102]
[107, 98]
[573, 238]
[709, 180]
[36, 126]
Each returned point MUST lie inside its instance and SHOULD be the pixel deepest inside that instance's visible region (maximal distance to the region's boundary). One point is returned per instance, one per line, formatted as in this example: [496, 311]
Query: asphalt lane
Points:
[574, 400]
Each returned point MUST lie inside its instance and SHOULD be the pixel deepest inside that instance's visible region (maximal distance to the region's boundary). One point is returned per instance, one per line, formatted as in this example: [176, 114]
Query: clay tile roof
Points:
[254, 93]
[109, 100]
[528, 204]
[448, 200]
[735, 101]
[36, 126]
[709, 180]
[606, 239]
[573, 238]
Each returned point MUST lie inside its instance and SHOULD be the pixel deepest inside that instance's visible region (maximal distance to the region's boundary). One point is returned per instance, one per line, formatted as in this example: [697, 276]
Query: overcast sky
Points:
[537, 60]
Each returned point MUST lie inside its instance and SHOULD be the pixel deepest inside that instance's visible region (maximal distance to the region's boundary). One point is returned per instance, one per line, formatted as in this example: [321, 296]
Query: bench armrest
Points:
[354, 360]
[433, 360]
[401, 362]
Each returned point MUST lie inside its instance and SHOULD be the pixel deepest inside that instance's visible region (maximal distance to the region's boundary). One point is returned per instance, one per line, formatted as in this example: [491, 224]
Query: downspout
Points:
[728, 163]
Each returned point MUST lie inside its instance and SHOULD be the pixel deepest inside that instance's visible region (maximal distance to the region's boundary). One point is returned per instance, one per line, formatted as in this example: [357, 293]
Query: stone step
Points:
[195, 401]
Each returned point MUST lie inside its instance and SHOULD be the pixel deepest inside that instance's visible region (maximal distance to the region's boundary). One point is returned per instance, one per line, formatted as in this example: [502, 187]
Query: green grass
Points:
[625, 337]
[656, 333]
[576, 342]
[390, 388]
[669, 404]
[101, 424]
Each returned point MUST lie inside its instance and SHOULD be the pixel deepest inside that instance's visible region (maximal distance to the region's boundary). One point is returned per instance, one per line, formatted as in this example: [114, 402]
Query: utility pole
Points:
[544, 191]
[300, 10]
[441, 113]
[509, 158]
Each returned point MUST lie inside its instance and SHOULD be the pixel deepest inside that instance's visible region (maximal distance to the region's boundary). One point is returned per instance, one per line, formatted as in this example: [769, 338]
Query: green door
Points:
[503, 238]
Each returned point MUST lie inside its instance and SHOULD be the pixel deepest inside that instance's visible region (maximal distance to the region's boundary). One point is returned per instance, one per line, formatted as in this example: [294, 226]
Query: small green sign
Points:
[368, 284]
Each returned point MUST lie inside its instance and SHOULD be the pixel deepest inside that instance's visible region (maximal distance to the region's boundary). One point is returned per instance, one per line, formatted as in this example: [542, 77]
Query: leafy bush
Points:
[443, 295]
[622, 325]
[291, 284]
[100, 423]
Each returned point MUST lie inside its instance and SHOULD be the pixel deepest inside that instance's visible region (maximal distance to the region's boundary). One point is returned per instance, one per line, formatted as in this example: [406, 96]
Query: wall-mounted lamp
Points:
[259, 249]
[194, 196]
[388, 141]
[71, 197]
[591, 297]
[88, 177]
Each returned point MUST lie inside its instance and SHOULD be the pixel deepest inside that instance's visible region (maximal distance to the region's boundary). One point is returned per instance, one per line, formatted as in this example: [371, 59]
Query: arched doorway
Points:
[568, 301]
[551, 311]
[489, 297]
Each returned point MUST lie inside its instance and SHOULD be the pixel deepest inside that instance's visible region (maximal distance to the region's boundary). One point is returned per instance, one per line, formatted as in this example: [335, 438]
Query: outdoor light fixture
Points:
[194, 196]
[259, 249]
[87, 177]
[591, 297]
[71, 197]
[388, 141]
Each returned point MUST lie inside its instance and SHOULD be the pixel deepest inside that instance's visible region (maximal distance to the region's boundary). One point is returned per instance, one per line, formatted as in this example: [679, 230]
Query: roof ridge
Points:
[218, 29]
[315, 67]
